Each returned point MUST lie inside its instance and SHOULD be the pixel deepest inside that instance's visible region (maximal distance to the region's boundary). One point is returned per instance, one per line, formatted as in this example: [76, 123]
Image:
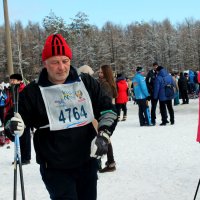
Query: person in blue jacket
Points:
[141, 96]
[162, 79]
[3, 98]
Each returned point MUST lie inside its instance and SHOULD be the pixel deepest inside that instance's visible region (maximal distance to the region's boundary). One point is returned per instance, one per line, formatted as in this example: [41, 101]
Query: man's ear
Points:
[45, 63]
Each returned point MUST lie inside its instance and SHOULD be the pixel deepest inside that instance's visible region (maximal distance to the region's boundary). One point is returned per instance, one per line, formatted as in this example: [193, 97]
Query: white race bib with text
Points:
[67, 105]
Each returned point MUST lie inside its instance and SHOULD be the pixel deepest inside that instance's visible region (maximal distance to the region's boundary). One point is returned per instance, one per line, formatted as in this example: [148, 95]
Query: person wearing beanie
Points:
[163, 84]
[141, 95]
[25, 140]
[150, 80]
[183, 87]
[13, 79]
[61, 105]
[122, 97]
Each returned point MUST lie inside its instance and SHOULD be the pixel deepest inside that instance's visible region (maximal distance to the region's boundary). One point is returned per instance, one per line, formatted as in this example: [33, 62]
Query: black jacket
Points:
[67, 148]
[182, 83]
[150, 80]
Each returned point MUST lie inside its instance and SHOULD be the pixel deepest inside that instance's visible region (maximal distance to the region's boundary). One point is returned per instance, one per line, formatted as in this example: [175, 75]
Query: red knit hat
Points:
[56, 45]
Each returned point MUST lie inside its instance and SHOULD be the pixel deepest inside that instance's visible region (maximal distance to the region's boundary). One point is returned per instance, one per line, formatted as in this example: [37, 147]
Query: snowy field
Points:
[153, 163]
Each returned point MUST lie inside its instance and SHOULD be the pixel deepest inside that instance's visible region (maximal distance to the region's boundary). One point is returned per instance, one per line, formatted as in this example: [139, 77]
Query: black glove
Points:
[99, 145]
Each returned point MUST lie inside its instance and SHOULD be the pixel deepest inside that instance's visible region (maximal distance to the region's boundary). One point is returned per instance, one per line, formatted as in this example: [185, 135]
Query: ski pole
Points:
[17, 152]
[197, 190]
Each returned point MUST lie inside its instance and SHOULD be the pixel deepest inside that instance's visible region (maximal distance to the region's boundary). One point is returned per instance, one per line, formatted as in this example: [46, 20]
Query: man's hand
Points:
[16, 124]
[99, 145]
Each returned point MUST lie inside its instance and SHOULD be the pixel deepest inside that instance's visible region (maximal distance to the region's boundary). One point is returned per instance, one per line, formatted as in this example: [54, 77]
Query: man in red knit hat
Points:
[61, 105]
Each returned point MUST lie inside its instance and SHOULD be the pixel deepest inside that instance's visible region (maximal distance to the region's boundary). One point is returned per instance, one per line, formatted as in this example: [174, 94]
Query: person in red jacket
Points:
[122, 98]
[14, 79]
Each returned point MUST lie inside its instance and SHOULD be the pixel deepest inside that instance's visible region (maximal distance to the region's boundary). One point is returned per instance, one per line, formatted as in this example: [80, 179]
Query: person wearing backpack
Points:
[163, 91]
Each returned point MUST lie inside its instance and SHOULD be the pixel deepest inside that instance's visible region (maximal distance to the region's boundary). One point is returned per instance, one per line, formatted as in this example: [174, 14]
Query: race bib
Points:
[67, 105]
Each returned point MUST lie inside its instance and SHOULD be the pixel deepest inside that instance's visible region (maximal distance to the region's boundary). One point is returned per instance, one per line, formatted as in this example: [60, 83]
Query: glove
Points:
[16, 124]
[99, 145]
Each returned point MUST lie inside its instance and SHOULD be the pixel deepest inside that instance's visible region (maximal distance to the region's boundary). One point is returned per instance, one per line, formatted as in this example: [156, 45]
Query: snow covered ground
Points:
[153, 163]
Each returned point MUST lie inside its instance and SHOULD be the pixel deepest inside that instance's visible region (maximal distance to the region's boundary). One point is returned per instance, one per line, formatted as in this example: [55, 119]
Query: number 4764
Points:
[72, 113]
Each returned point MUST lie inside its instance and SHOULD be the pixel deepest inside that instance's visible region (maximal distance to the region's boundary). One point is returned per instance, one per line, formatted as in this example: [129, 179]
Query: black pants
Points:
[71, 184]
[144, 117]
[184, 95]
[110, 156]
[2, 114]
[119, 107]
[25, 145]
[163, 111]
[153, 110]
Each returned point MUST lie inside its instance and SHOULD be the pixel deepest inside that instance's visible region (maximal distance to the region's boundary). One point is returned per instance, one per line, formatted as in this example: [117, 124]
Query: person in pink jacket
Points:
[198, 129]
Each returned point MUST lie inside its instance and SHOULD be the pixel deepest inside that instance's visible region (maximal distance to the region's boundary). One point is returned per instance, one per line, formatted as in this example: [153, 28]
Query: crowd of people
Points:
[73, 115]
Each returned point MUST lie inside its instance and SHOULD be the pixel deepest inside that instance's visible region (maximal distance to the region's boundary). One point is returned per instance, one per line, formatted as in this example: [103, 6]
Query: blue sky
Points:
[100, 11]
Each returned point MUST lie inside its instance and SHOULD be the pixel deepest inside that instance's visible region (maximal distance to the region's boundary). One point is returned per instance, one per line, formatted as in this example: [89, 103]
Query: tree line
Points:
[176, 47]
